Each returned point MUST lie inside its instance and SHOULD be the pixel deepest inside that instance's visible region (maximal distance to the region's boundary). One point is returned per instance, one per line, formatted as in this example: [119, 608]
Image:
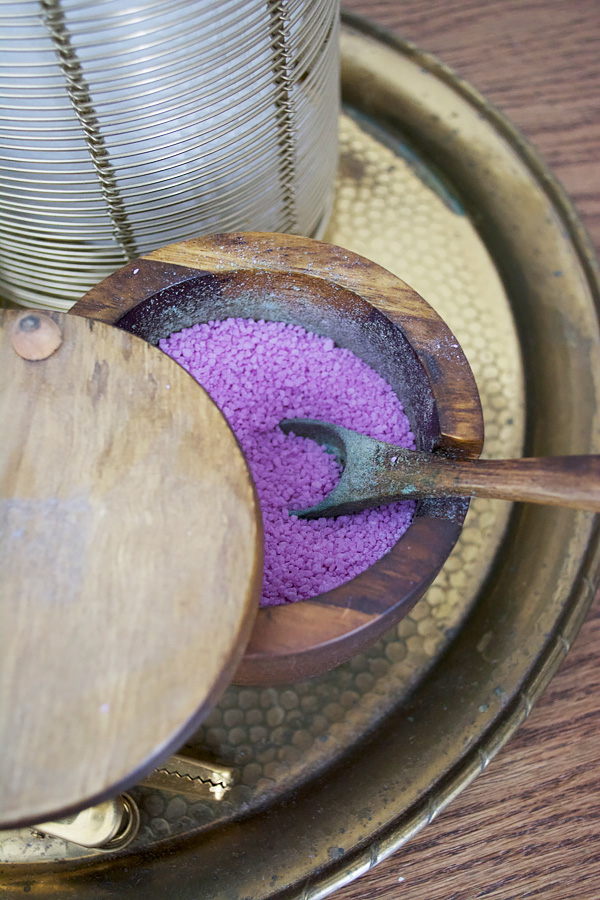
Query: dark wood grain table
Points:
[530, 826]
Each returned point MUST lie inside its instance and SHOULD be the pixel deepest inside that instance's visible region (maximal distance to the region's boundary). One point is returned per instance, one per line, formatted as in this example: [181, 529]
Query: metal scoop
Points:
[375, 473]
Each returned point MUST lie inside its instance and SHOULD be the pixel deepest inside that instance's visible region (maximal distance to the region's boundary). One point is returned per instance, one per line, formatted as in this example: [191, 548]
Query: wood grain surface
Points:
[119, 526]
[530, 826]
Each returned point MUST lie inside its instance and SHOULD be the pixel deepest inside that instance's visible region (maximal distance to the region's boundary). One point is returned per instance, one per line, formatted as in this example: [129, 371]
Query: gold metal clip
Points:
[187, 774]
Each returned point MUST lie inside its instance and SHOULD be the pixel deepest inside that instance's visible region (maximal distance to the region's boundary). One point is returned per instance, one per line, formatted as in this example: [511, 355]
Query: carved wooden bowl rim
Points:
[301, 639]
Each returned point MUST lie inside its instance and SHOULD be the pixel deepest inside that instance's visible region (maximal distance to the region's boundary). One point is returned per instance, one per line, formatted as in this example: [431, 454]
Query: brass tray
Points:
[335, 774]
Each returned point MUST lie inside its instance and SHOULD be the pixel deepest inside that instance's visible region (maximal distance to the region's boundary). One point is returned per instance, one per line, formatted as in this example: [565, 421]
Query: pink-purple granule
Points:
[261, 372]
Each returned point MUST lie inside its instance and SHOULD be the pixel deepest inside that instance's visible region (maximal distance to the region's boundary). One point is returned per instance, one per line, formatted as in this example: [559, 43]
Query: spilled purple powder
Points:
[261, 372]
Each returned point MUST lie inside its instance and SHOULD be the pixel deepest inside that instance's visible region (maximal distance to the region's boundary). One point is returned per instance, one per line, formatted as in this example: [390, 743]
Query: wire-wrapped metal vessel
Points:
[130, 124]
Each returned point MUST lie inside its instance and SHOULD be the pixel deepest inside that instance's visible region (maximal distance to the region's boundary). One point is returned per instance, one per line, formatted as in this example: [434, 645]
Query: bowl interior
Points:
[301, 639]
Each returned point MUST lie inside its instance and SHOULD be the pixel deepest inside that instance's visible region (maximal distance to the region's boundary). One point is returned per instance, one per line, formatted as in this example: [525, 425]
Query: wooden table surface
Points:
[530, 826]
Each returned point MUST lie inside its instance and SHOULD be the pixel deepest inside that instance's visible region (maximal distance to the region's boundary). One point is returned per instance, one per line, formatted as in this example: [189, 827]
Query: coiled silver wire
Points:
[126, 125]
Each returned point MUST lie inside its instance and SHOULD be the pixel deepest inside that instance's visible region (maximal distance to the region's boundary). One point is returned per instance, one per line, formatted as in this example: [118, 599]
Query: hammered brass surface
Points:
[443, 692]
[279, 737]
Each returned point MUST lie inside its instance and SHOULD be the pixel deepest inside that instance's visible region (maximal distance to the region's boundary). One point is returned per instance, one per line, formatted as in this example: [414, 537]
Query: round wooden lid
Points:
[130, 561]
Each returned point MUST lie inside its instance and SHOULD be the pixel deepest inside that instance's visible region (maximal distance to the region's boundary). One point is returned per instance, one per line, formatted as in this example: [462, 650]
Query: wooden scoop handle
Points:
[572, 481]
[375, 472]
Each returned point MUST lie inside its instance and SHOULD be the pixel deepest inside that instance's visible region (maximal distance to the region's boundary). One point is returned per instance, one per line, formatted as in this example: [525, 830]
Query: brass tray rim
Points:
[475, 761]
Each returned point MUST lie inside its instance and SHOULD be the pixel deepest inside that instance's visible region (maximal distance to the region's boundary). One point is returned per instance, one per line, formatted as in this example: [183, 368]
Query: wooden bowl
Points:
[365, 308]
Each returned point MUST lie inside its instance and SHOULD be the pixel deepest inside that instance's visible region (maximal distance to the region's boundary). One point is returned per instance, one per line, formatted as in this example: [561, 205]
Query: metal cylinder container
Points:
[131, 124]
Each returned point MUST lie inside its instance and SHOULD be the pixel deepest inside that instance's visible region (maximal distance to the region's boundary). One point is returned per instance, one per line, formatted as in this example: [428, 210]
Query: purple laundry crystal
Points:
[261, 372]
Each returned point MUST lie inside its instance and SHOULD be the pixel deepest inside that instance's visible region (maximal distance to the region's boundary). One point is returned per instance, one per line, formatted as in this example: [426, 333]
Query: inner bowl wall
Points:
[324, 309]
